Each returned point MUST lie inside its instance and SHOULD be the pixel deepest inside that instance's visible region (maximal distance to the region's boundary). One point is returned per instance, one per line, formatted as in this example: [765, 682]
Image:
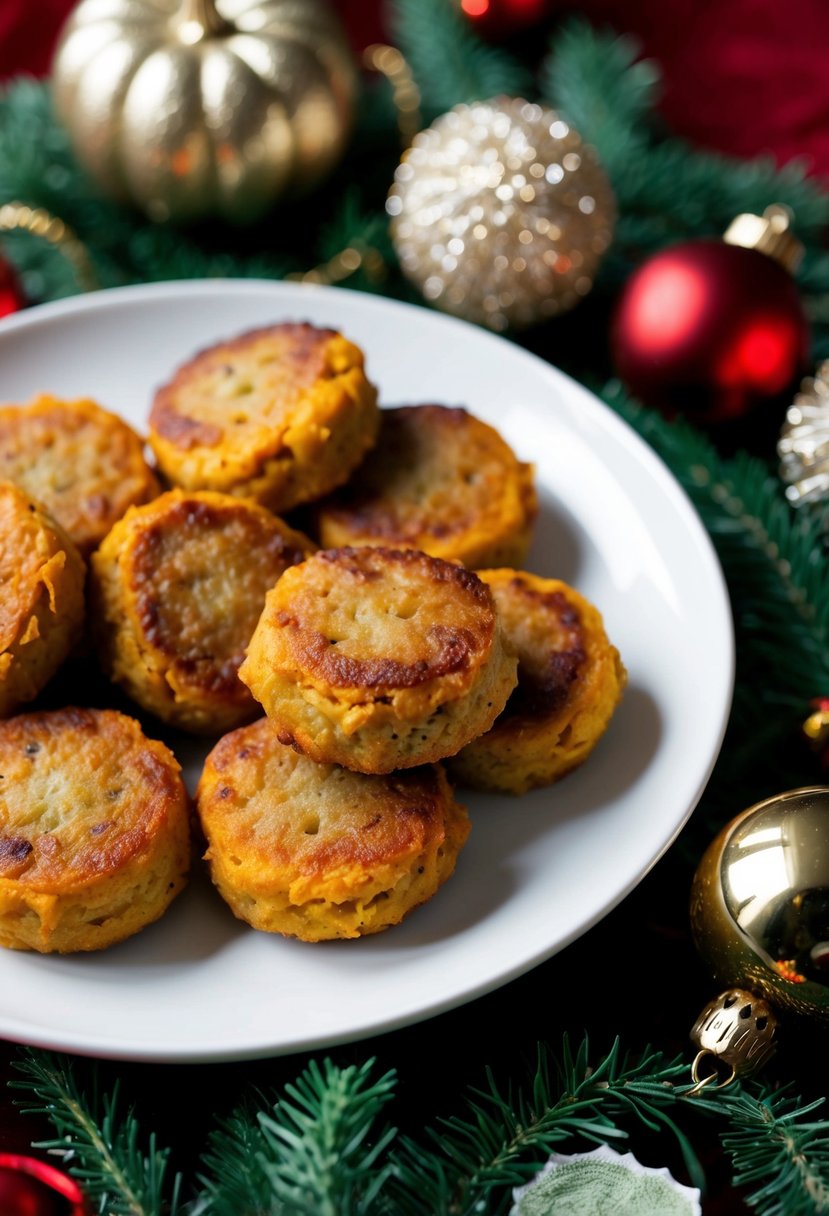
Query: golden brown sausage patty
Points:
[94, 830]
[177, 589]
[570, 680]
[315, 851]
[379, 659]
[41, 597]
[439, 480]
[281, 415]
[82, 463]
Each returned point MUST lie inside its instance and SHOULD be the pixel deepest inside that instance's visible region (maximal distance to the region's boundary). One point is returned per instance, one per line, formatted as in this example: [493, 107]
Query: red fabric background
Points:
[743, 76]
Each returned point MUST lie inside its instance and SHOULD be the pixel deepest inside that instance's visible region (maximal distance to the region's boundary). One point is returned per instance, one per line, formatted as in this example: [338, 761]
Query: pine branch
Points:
[316, 1153]
[597, 82]
[99, 1146]
[450, 63]
[471, 1163]
[771, 1142]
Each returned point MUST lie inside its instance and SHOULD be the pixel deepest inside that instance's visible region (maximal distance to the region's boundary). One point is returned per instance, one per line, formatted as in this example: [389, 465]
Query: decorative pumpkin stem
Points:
[198, 19]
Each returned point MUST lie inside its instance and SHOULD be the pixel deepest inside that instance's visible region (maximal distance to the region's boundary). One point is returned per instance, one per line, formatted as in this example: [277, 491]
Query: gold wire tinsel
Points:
[19, 217]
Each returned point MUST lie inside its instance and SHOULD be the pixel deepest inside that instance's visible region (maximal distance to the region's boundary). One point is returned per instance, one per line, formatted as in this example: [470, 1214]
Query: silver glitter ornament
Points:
[804, 441]
[500, 214]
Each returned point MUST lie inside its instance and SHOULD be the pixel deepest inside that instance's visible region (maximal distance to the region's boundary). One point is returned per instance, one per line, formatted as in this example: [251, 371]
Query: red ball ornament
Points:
[29, 1187]
[11, 297]
[715, 328]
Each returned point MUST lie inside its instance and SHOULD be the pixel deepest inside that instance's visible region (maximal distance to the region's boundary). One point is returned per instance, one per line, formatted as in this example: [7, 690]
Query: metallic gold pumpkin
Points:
[760, 902]
[196, 108]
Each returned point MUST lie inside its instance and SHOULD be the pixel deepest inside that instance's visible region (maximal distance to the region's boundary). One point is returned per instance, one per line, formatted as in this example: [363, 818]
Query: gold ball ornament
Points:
[760, 902]
[193, 108]
[500, 213]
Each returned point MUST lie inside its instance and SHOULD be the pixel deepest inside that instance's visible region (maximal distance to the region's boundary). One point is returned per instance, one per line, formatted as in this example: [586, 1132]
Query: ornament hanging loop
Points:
[710, 1080]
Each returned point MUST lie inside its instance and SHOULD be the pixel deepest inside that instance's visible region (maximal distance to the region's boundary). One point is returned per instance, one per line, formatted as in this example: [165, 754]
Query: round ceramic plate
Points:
[537, 871]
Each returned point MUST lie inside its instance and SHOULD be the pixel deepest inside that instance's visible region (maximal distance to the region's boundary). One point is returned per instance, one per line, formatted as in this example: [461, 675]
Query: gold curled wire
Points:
[389, 62]
[17, 216]
[343, 264]
[707, 1082]
[405, 94]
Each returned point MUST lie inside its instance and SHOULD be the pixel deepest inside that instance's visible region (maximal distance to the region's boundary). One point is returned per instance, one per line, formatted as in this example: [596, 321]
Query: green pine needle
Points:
[448, 60]
[597, 82]
[318, 1152]
[771, 1142]
[778, 580]
[315, 1153]
[472, 1162]
[98, 1145]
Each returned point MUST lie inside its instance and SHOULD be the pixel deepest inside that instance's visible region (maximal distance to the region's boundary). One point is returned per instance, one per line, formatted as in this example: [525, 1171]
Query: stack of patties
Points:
[382, 654]
[324, 840]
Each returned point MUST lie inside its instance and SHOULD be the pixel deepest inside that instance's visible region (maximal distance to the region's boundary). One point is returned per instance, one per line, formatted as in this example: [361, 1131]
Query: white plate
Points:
[537, 871]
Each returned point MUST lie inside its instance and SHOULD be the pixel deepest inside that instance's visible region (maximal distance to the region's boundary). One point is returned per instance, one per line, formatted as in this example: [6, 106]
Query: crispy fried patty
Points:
[439, 480]
[315, 851]
[379, 659]
[281, 415]
[94, 830]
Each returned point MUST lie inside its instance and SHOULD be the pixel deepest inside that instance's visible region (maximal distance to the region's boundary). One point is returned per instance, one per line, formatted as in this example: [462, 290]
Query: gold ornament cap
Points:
[738, 1030]
[769, 233]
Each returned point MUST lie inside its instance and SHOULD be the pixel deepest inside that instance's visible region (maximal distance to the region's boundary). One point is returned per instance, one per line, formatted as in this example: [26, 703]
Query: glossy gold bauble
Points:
[196, 108]
[500, 213]
[760, 902]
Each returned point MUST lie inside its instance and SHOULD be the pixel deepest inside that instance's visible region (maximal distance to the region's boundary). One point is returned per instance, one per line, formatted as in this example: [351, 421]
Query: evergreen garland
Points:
[319, 1148]
[318, 1151]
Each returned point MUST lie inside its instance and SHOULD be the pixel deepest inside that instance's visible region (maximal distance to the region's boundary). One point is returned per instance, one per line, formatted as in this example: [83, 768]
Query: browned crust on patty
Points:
[313, 851]
[212, 672]
[85, 465]
[412, 803]
[570, 680]
[177, 589]
[545, 687]
[302, 351]
[448, 647]
[52, 860]
[441, 480]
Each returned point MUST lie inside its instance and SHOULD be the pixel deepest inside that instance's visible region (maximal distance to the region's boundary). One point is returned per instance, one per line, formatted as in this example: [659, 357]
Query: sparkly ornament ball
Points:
[804, 441]
[500, 214]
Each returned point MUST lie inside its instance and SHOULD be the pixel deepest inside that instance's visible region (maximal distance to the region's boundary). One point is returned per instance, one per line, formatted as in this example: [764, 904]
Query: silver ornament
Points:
[500, 213]
[804, 441]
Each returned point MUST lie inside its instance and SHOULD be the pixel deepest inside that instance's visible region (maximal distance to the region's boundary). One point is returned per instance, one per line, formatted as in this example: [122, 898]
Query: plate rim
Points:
[216, 1051]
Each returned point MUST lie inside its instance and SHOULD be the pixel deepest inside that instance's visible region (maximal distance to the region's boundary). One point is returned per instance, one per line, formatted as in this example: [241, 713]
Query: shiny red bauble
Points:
[29, 1187]
[709, 330]
[11, 298]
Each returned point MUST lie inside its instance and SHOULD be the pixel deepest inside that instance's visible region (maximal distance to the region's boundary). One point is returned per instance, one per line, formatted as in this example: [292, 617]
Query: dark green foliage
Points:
[318, 1150]
[120, 1177]
[449, 62]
